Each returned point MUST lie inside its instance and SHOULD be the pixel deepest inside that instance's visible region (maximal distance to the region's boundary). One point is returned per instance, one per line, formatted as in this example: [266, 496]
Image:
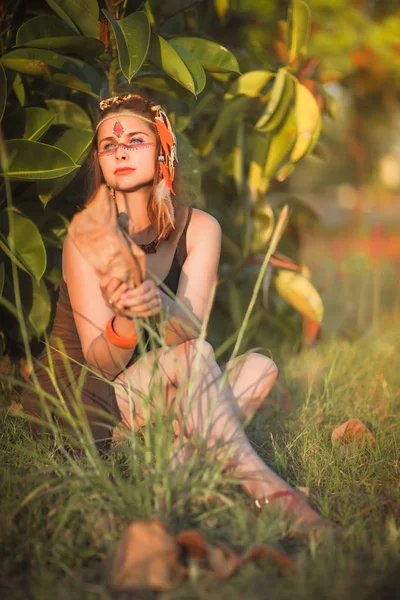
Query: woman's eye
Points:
[108, 146]
[136, 140]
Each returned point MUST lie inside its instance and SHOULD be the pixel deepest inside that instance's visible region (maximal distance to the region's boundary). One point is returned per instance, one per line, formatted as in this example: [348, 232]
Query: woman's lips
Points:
[123, 171]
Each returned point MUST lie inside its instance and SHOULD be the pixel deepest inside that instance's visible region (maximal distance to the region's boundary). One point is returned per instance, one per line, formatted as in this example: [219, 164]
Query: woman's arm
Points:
[197, 280]
[91, 315]
[182, 319]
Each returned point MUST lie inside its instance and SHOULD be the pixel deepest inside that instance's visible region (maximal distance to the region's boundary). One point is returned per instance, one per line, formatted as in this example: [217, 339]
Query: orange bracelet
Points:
[116, 340]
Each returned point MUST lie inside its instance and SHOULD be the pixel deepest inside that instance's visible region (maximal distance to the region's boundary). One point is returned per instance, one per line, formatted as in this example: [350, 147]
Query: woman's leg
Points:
[189, 376]
[251, 378]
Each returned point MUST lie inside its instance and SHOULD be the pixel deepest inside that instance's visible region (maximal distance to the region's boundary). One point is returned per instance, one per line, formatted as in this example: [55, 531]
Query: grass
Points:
[62, 515]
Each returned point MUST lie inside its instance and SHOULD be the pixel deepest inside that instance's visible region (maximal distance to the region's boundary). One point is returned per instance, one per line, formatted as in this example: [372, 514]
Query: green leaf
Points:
[2, 277]
[133, 40]
[39, 314]
[19, 89]
[44, 26]
[54, 4]
[28, 123]
[230, 111]
[33, 160]
[161, 83]
[60, 69]
[81, 45]
[75, 143]
[26, 248]
[250, 84]
[308, 120]
[300, 294]
[189, 168]
[84, 14]
[194, 66]
[299, 28]
[163, 55]
[277, 106]
[214, 57]
[69, 113]
[3, 91]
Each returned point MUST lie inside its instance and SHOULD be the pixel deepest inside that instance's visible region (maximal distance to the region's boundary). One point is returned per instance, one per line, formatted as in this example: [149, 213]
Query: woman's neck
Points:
[135, 204]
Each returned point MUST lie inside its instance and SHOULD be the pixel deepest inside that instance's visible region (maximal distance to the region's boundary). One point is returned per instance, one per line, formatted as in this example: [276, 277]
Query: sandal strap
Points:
[295, 499]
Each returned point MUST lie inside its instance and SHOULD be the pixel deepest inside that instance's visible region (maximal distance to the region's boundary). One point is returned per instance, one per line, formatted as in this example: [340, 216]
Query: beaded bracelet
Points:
[117, 340]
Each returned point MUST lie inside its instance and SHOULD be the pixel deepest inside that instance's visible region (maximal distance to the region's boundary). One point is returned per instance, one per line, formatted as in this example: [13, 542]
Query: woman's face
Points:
[126, 148]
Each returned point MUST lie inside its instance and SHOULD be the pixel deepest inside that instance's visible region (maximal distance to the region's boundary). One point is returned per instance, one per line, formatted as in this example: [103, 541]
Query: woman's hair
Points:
[160, 215]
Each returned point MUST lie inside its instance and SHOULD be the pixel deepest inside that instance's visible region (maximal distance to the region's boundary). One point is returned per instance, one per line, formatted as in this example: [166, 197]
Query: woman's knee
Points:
[191, 350]
[264, 367]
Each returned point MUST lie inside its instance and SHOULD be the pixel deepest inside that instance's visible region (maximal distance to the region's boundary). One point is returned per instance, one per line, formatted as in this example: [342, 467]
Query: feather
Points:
[166, 137]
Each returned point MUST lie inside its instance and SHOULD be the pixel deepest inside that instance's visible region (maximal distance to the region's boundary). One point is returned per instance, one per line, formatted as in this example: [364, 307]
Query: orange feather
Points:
[166, 176]
[166, 138]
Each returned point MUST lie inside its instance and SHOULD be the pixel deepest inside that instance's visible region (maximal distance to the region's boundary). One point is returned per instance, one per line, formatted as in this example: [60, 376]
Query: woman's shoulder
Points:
[203, 220]
[203, 228]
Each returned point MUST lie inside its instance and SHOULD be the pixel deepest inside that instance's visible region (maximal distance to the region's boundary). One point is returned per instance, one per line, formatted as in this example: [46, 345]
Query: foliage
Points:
[241, 125]
[63, 515]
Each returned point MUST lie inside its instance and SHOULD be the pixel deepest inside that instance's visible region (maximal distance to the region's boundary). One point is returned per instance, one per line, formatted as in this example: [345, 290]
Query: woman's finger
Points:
[143, 288]
[128, 300]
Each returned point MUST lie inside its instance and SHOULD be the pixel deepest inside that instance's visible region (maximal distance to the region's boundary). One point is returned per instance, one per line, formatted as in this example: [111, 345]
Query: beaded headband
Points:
[168, 155]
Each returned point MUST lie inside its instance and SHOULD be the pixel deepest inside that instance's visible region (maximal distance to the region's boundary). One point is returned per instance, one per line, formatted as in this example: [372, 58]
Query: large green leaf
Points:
[214, 57]
[60, 69]
[194, 66]
[230, 111]
[44, 26]
[39, 314]
[75, 143]
[34, 160]
[84, 14]
[68, 113]
[133, 40]
[26, 248]
[3, 91]
[277, 106]
[189, 168]
[54, 4]
[299, 28]
[28, 123]
[81, 45]
[250, 84]
[163, 55]
[300, 294]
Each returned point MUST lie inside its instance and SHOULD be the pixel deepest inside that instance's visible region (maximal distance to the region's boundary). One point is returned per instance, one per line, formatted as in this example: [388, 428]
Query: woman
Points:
[98, 320]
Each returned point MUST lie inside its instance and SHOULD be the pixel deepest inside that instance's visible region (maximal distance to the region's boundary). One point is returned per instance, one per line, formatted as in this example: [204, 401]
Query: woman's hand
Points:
[142, 301]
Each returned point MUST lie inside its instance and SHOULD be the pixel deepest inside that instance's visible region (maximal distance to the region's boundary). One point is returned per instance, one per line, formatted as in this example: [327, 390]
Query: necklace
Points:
[150, 248]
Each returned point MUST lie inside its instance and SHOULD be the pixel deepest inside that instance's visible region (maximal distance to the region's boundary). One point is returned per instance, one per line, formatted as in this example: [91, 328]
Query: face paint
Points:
[118, 129]
[112, 151]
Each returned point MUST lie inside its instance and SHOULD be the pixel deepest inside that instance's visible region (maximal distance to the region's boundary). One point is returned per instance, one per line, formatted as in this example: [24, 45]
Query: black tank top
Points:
[171, 281]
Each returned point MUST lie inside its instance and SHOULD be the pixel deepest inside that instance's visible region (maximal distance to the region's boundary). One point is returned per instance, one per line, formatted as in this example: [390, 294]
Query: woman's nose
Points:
[121, 152]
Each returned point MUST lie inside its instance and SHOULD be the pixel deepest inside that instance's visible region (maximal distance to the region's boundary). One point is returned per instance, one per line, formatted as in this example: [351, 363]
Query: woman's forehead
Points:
[128, 123]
